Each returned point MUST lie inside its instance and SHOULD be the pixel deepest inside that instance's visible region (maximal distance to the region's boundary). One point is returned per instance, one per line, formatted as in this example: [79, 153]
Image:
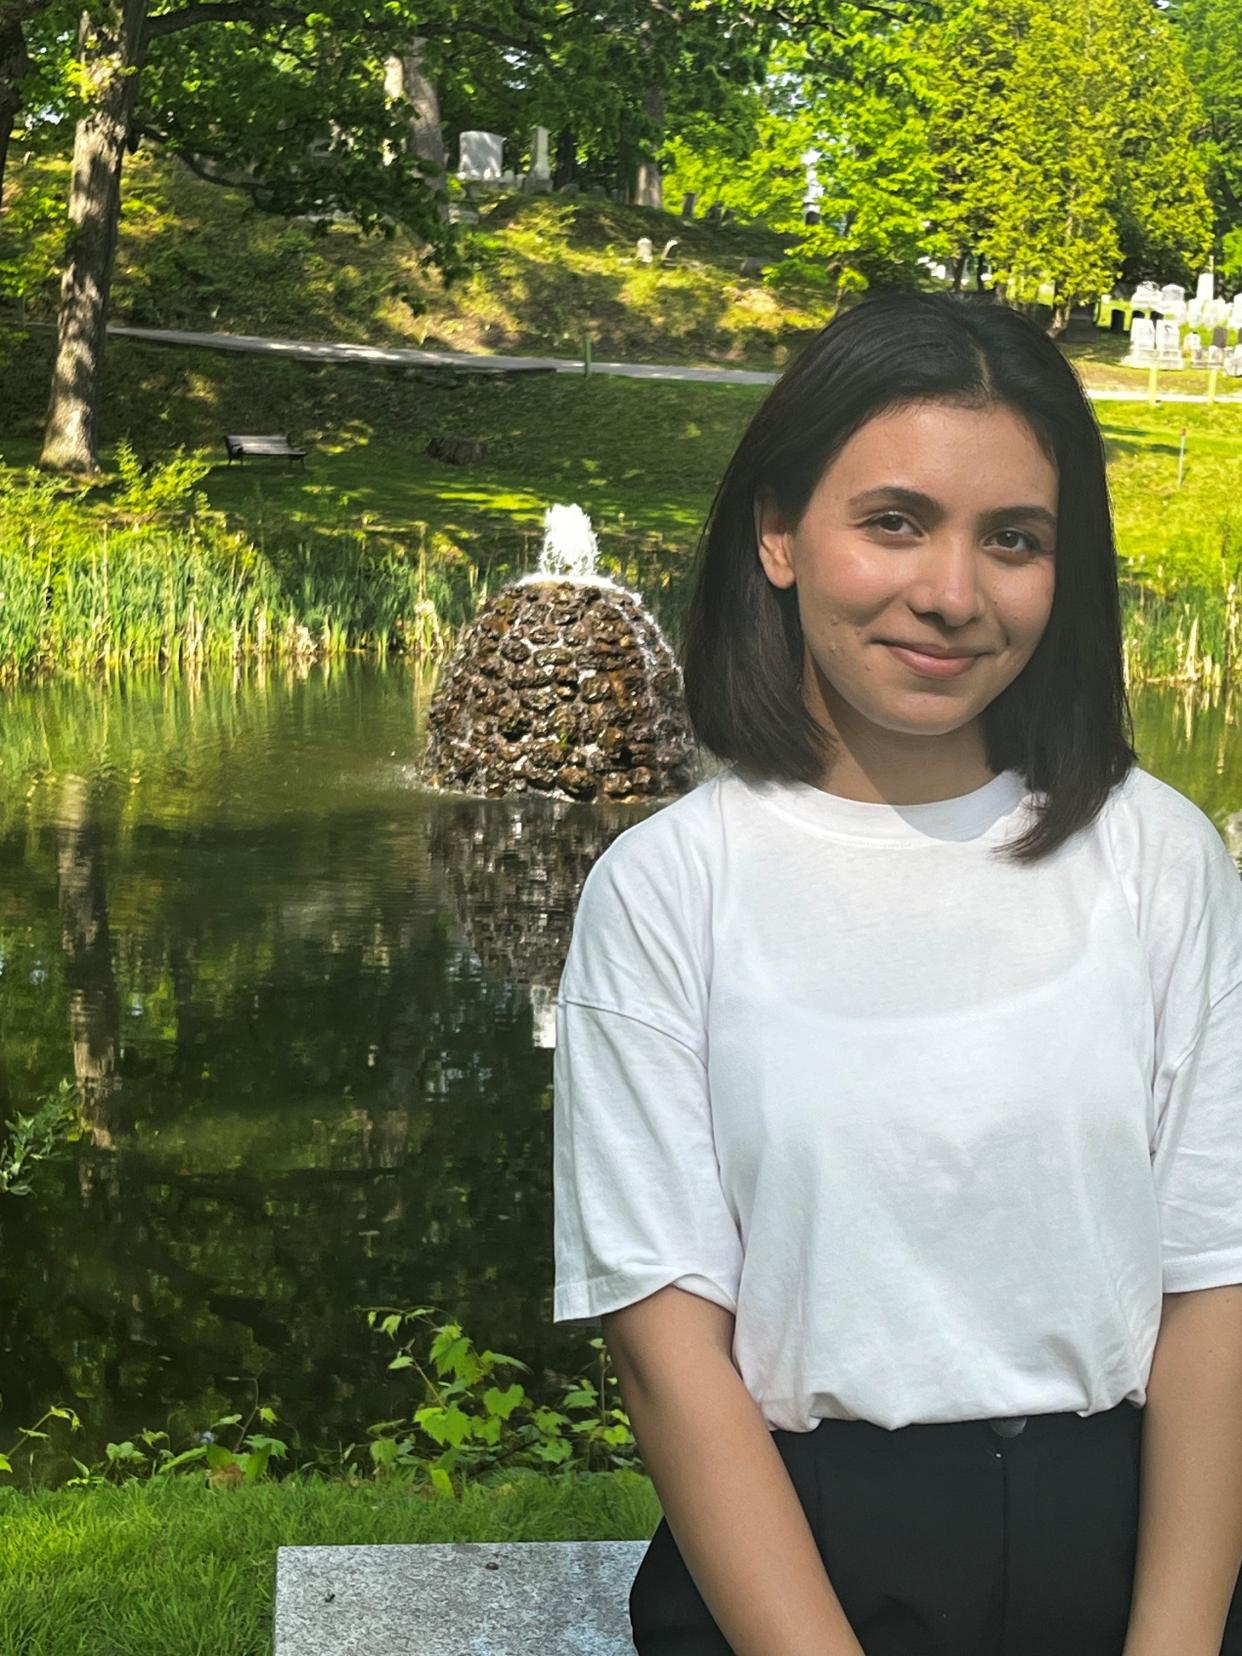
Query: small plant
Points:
[35, 1138]
[466, 1425]
[479, 1425]
[150, 490]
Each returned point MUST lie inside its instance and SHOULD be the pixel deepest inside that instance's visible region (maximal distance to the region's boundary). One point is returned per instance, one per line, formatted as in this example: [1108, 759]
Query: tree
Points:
[111, 44]
[15, 67]
[1084, 163]
[283, 102]
[1211, 35]
[856, 95]
[971, 51]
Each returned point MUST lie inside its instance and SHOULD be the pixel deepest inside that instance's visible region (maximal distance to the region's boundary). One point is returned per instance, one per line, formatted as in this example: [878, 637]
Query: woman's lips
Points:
[933, 666]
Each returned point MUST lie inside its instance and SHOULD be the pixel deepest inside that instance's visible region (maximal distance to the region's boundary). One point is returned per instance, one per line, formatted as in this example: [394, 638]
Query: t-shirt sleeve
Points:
[638, 1197]
[1197, 1160]
[1196, 1150]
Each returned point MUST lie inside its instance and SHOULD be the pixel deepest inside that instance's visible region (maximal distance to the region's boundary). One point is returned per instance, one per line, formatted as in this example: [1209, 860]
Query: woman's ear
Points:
[772, 537]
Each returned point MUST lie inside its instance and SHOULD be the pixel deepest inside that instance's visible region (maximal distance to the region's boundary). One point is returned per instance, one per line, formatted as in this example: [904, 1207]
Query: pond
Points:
[311, 1007]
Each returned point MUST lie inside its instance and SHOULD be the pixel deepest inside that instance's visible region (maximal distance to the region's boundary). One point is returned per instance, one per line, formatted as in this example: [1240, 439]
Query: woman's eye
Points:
[1032, 547]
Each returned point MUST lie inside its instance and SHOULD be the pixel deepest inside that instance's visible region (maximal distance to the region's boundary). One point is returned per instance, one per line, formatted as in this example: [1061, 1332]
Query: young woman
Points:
[898, 1077]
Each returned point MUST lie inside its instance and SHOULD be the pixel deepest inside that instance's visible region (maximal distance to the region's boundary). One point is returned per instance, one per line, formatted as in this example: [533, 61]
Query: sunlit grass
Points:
[174, 1568]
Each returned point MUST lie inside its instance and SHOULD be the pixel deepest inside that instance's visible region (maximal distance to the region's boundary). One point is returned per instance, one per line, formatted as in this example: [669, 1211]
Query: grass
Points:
[642, 457]
[174, 1568]
[538, 269]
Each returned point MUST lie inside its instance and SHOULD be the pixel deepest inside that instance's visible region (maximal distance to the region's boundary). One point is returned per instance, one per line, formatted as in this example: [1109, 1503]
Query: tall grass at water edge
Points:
[160, 579]
[154, 586]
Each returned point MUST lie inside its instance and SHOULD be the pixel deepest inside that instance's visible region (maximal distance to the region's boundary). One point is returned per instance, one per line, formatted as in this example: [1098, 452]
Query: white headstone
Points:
[646, 250]
[481, 155]
[1142, 342]
[1205, 288]
[1146, 296]
[539, 154]
[1169, 343]
[1235, 311]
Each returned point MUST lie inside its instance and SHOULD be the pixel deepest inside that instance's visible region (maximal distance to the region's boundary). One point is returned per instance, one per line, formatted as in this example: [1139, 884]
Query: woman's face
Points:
[935, 526]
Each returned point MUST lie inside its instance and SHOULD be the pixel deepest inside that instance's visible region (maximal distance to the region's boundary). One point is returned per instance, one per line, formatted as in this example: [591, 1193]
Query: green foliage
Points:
[32, 239]
[145, 572]
[40, 1137]
[465, 1428]
[1082, 160]
[153, 489]
[857, 97]
[1211, 35]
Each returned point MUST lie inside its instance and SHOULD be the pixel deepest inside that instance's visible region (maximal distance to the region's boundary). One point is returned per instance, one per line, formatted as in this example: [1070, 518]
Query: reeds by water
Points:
[78, 594]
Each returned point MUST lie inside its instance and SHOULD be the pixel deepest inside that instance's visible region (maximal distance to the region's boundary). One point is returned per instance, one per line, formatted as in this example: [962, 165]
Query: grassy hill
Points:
[192, 255]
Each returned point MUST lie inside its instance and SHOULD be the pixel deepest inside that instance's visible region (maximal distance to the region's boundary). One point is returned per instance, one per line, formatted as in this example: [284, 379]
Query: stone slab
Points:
[466, 1598]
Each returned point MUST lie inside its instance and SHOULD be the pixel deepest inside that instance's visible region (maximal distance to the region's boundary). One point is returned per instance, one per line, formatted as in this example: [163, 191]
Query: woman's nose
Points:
[947, 581]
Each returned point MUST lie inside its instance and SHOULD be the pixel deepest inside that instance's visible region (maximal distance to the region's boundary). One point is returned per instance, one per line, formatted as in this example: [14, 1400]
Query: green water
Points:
[308, 1005]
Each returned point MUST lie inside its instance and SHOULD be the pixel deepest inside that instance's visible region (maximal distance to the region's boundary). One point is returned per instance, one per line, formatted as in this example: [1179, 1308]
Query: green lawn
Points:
[643, 458]
[173, 1568]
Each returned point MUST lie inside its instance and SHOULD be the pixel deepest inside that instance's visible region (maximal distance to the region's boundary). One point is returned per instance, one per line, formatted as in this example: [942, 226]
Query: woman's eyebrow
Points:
[917, 501]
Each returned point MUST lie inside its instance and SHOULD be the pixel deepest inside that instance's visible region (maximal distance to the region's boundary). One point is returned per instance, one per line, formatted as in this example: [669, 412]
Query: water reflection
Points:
[308, 1010]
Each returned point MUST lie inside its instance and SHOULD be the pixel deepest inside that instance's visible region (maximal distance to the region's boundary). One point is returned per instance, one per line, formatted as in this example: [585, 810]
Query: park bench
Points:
[510, 1598]
[237, 447]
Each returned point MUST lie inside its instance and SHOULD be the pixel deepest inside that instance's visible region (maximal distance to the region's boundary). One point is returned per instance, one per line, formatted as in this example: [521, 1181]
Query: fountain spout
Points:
[570, 548]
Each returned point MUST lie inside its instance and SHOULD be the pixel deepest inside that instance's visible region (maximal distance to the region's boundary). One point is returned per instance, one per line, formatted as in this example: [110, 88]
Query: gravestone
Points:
[687, 205]
[752, 267]
[666, 257]
[1146, 296]
[481, 155]
[539, 164]
[1220, 336]
[465, 1598]
[645, 249]
[1194, 345]
[1205, 287]
[1142, 352]
[1169, 344]
[1235, 311]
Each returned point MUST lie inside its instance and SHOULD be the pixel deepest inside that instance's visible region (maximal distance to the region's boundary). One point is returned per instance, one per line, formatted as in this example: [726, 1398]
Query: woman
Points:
[898, 1078]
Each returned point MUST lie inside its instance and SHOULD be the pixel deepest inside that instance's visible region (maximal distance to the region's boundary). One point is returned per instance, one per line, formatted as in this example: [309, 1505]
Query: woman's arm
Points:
[726, 1493]
[1190, 1523]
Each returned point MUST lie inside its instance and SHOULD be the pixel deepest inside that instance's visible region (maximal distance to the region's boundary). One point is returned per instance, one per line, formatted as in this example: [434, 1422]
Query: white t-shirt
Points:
[939, 1129]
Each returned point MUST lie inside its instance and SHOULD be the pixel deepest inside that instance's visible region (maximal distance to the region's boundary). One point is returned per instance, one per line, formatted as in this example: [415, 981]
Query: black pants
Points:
[972, 1538]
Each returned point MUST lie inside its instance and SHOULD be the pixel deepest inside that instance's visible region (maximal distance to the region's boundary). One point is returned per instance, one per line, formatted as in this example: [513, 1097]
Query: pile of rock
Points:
[563, 688]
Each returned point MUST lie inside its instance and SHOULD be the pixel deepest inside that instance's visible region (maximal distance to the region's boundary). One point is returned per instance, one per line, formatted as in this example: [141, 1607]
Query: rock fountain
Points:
[561, 685]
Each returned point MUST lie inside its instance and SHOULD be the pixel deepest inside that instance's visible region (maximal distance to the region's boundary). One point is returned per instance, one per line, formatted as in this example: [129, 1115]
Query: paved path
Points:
[468, 361]
[323, 351]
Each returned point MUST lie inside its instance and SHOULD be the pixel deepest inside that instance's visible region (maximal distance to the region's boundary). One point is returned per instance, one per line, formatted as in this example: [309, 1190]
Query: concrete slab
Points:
[467, 1598]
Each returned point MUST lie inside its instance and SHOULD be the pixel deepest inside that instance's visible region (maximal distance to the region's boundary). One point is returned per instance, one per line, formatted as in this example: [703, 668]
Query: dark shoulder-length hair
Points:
[1064, 723]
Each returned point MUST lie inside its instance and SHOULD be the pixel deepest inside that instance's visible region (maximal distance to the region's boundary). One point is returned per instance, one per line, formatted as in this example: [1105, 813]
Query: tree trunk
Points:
[649, 190]
[566, 162]
[14, 64]
[110, 50]
[94, 1008]
[959, 270]
[405, 77]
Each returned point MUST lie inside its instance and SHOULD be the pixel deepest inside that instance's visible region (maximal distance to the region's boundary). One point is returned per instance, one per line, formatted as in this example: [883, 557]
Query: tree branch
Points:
[20, 11]
[261, 13]
[218, 11]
